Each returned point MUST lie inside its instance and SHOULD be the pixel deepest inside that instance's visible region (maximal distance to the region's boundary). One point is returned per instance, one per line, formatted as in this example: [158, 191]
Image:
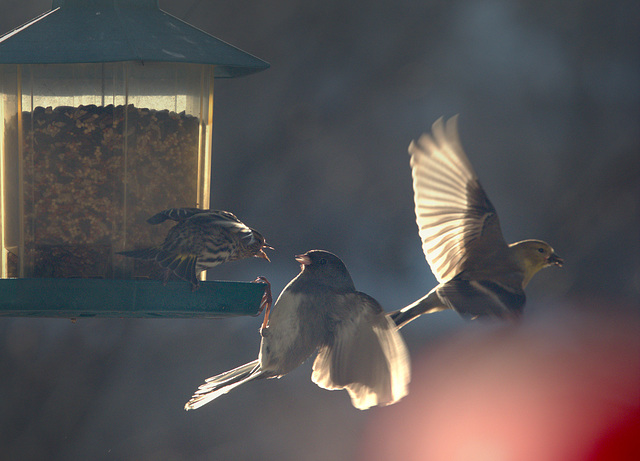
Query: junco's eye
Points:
[322, 261]
[540, 250]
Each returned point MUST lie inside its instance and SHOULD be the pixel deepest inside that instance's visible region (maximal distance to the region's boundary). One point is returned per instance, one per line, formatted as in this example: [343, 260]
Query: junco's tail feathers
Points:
[220, 384]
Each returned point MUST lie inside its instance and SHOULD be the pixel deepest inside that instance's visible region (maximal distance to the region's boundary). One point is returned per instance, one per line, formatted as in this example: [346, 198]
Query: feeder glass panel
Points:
[88, 152]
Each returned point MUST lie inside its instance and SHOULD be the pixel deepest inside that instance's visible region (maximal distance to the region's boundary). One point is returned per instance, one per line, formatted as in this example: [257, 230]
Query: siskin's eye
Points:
[540, 250]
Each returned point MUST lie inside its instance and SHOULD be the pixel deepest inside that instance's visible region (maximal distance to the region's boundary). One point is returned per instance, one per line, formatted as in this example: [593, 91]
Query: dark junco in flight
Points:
[359, 348]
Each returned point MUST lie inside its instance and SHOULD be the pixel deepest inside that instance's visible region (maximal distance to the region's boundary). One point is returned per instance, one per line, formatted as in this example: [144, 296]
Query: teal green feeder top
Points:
[90, 31]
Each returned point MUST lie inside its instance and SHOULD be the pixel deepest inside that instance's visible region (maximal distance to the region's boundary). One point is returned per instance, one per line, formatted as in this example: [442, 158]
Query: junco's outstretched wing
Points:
[458, 225]
[366, 355]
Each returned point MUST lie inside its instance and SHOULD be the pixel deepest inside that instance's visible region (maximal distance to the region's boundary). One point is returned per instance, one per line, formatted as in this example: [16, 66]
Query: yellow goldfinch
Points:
[478, 273]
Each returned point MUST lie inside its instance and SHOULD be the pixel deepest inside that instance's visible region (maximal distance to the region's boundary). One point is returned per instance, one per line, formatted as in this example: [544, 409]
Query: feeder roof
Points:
[90, 31]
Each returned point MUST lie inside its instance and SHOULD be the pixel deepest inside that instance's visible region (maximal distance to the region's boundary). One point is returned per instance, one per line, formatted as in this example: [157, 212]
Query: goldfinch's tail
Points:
[428, 304]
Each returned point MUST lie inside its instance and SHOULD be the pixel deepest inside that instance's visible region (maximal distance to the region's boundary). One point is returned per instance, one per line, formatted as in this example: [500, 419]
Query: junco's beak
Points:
[555, 259]
[304, 260]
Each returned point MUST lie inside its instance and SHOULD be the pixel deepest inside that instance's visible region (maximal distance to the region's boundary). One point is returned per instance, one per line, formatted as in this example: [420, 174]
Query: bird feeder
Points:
[106, 117]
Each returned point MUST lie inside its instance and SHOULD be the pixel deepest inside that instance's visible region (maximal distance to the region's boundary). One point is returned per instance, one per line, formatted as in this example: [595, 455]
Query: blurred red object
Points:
[561, 387]
[621, 443]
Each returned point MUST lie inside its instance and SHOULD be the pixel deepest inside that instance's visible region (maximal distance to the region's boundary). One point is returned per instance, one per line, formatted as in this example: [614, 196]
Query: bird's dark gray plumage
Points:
[320, 310]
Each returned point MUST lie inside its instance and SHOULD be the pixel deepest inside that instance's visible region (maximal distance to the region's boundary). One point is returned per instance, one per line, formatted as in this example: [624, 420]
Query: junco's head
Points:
[325, 266]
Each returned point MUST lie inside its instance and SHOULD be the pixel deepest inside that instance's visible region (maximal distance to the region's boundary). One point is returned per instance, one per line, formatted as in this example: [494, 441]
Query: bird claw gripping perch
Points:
[267, 300]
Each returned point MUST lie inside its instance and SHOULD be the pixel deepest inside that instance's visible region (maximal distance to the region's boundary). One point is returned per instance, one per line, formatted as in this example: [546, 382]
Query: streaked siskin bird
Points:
[359, 347]
[200, 240]
[479, 274]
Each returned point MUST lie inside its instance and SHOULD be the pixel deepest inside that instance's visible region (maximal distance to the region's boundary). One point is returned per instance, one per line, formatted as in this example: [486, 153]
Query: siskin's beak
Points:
[555, 259]
[261, 254]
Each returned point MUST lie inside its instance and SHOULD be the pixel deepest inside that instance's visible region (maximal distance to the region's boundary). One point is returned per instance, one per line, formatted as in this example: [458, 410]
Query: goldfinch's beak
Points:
[555, 259]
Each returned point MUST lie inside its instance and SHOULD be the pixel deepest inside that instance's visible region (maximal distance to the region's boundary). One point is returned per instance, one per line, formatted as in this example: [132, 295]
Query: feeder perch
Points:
[106, 117]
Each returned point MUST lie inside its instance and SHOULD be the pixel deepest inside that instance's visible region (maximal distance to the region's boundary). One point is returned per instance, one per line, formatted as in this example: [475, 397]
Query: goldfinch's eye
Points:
[540, 250]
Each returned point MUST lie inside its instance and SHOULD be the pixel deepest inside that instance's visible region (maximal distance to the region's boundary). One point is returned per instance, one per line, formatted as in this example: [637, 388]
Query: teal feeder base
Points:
[76, 298]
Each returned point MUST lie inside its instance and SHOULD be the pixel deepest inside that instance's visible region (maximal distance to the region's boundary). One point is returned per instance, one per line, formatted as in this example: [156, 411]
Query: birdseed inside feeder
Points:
[106, 117]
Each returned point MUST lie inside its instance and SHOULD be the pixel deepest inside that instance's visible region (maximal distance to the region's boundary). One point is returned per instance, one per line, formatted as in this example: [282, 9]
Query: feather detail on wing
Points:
[457, 223]
[221, 222]
[368, 357]
[182, 214]
[175, 214]
[182, 264]
[483, 298]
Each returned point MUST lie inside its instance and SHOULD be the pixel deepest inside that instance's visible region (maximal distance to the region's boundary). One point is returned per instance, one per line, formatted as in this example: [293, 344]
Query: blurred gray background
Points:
[312, 152]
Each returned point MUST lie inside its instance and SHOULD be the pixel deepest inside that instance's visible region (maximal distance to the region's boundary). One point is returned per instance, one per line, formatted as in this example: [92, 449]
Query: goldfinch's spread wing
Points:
[457, 223]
